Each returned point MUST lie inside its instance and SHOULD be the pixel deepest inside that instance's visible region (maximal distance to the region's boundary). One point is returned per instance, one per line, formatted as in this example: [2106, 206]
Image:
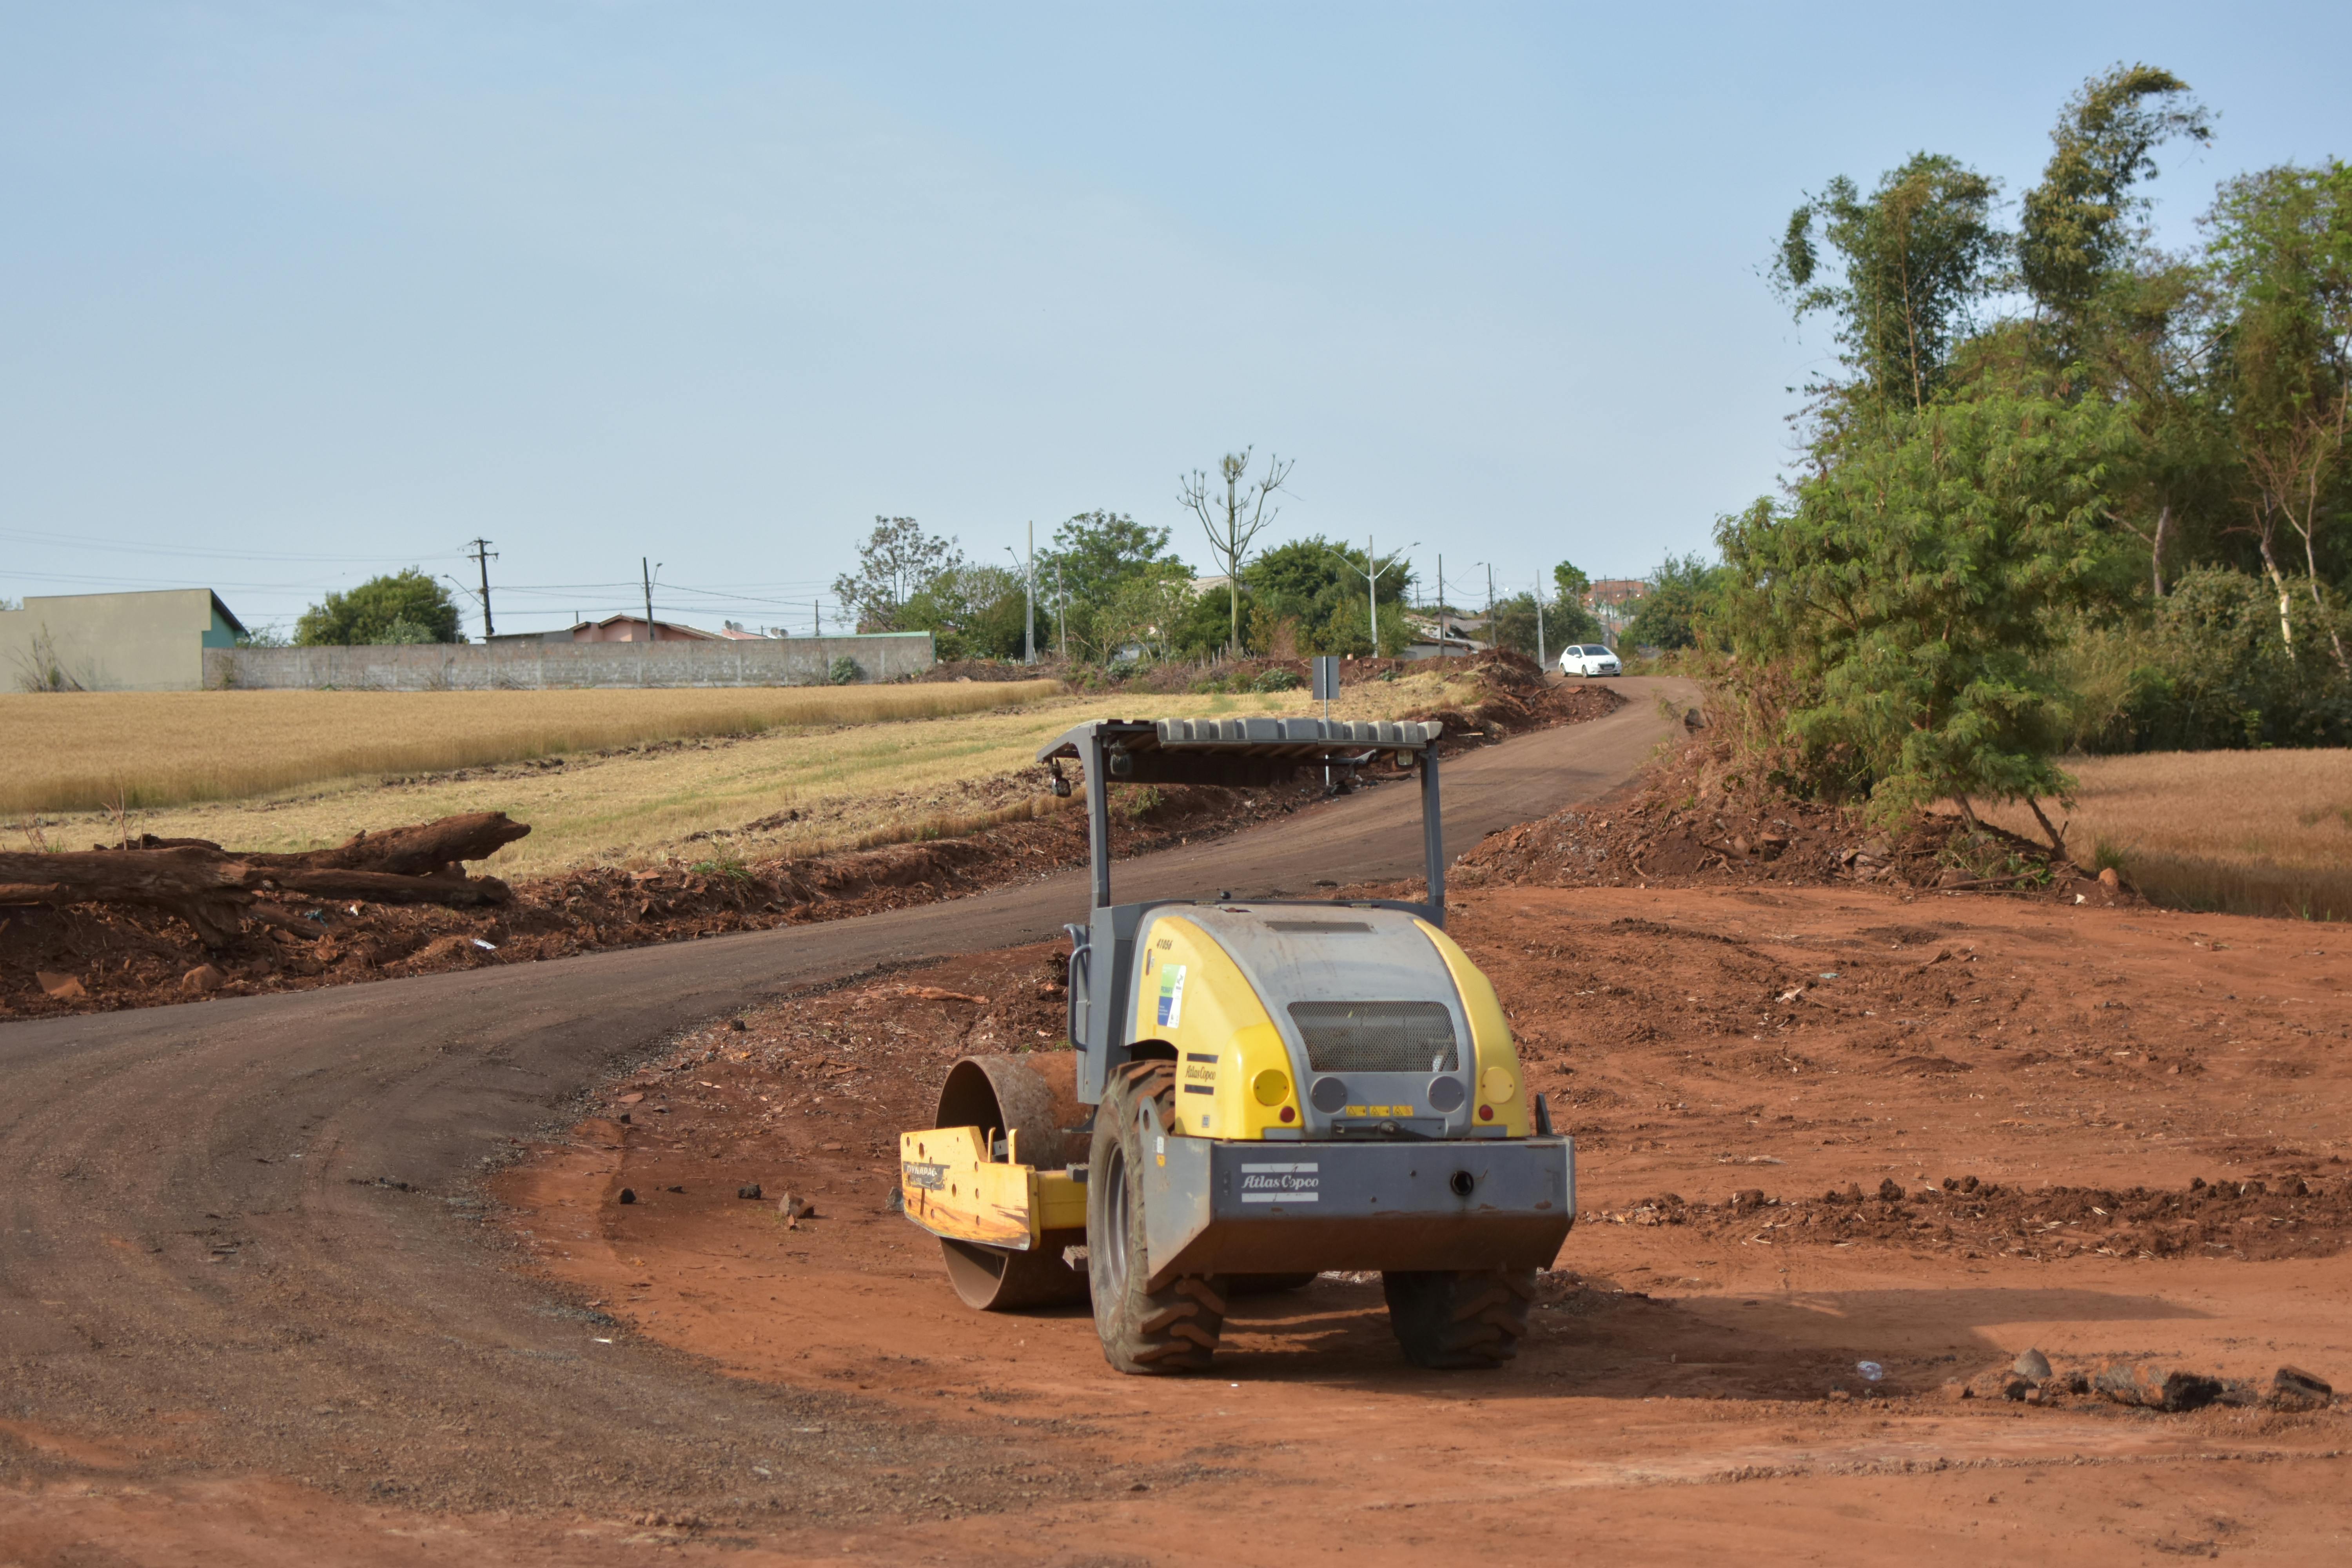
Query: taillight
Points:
[1485, 1114]
[1290, 1113]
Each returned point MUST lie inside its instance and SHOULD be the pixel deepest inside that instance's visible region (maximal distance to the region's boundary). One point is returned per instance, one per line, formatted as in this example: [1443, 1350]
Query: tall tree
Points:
[1570, 621]
[2084, 221]
[2282, 252]
[1234, 521]
[1915, 257]
[896, 559]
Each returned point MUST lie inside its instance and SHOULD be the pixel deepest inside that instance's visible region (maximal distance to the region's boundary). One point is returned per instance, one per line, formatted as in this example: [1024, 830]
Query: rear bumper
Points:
[1230, 1207]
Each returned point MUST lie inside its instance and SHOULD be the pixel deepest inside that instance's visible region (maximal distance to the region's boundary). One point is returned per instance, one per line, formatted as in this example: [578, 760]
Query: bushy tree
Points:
[1909, 596]
[1676, 600]
[970, 610]
[1097, 562]
[402, 607]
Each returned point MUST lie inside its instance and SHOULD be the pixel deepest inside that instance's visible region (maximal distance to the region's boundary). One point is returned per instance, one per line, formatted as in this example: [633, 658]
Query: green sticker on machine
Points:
[1171, 995]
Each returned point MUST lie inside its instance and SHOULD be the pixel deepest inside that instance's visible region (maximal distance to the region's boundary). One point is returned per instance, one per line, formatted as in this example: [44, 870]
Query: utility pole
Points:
[483, 555]
[1061, 613]
[1371, 575]
[647, 572]
[1491, 643]
[1541, 656]
[1440, 605]
[1028, 596]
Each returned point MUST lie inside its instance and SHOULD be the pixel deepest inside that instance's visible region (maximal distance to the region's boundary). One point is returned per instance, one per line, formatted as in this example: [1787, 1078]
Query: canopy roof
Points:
[1235, 752]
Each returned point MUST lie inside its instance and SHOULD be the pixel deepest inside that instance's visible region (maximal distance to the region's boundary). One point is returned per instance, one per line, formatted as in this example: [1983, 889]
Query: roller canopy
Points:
[1235, 752]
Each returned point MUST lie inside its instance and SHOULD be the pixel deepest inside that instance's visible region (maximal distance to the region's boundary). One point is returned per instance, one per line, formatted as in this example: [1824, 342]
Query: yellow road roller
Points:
[1256, 1091]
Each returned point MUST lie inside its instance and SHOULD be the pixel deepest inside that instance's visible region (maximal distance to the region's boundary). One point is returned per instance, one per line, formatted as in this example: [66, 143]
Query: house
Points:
[623, 628]
[151, 641]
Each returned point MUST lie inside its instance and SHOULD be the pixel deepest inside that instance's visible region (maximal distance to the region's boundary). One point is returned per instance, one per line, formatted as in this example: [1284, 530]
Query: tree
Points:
[1908, 598]
[402, 607]
[1147, 611]
[896, 559]
[1094, 558]
[1568, 621]
[2082, 222]
[1234, 521]
[1678, 597]
[1916, 256]
[972, 611]
[2281, 253]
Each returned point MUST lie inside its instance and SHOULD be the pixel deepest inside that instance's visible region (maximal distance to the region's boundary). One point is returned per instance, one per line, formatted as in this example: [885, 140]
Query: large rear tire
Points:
[1450, 1320]
[1143, 1332]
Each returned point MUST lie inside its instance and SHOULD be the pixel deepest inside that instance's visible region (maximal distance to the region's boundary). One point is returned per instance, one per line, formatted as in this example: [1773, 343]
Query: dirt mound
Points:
[1682, 827]
[2259, 1219]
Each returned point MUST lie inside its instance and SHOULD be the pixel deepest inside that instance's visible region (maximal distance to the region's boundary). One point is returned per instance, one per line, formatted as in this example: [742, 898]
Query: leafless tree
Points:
[1234, 519]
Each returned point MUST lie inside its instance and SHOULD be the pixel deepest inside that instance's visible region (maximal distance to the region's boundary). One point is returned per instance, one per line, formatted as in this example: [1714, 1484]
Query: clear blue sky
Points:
[297, 293]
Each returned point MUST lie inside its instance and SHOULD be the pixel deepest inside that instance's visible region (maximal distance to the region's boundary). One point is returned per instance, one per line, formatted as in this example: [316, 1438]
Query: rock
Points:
[628, 1194]
[1890, 1190]
[793, 1206]
[202, 980]
[61, 987]
[739, 1025]
[1747, 1199]
[1955, 1391]
[2032, 1364]
[2292, 1388]
[1999, 1383]
[2109, 880]
[748, 1190]
[2152, 1385]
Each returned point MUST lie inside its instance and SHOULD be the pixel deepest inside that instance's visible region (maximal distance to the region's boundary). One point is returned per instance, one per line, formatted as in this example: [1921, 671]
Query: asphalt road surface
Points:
[248, 1234]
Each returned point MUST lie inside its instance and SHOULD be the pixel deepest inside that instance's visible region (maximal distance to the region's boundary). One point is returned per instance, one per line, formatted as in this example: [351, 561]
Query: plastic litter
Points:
[486, 946]
[1871, 1371]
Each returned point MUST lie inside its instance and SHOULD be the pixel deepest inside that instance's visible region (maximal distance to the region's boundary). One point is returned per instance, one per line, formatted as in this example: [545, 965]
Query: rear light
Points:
[1485, 1114]
[1290, 1113]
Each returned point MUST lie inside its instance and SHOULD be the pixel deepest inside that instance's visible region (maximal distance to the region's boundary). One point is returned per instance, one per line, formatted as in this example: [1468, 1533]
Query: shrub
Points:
[1275, 680]
[845, 671]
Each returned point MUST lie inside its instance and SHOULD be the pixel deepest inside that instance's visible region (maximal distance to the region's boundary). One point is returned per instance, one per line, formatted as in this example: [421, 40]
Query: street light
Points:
[1371, 585]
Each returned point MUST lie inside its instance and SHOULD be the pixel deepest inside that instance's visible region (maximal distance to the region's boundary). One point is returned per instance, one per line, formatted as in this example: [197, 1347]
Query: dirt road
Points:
[245, 1239]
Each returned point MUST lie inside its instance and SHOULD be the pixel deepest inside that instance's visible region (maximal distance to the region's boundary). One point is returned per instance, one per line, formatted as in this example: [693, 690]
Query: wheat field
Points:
[2237, 832]
[90, 751]
[798, 787]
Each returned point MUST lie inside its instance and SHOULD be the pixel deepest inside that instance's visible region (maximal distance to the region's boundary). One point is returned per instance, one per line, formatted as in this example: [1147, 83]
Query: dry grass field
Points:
[90, 751]
[2238, 832]
[794, 789]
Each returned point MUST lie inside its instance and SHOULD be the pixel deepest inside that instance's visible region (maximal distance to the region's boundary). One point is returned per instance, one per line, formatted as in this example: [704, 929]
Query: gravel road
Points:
[246, 1236]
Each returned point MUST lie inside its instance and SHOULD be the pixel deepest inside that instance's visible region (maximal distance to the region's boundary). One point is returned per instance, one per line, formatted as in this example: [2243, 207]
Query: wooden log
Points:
[423, 849]
[383, 887]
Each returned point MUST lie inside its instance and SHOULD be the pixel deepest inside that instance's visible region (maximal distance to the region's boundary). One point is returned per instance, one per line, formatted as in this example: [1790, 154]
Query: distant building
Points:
[1613, 599]
[1449, 636]
[153, 641]
[625, 628]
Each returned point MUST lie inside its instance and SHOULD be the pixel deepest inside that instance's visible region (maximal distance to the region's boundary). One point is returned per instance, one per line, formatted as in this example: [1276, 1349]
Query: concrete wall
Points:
[115, 642]
[531, 666]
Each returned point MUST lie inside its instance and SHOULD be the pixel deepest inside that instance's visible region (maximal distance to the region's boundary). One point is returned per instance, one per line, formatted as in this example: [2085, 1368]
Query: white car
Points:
[1589, 659]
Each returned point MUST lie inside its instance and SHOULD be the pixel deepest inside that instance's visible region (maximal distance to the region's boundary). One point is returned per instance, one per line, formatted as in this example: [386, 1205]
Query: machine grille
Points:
[1377, 1036]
